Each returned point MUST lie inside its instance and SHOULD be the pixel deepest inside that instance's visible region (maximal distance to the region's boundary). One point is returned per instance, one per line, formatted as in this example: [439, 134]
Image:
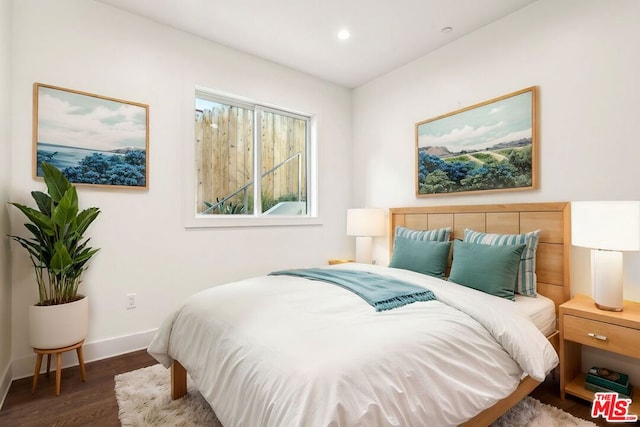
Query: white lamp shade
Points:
[365, 222]
[608, 225]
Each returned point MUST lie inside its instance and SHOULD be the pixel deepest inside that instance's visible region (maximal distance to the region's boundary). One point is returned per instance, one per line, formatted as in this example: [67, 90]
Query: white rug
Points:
[144, 400]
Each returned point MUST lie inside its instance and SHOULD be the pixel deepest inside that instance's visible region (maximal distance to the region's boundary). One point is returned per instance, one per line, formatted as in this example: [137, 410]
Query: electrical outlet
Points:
[131, 301]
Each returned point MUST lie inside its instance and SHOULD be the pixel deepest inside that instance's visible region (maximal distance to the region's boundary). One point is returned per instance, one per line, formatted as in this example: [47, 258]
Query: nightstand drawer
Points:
[606, 336]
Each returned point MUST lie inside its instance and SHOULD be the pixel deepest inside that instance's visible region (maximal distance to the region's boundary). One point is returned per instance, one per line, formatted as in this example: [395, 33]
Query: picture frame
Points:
[487, 147]
[93, 139]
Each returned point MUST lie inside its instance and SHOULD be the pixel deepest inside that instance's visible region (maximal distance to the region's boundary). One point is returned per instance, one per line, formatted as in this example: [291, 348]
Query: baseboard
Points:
[93, 351]
[5, 383]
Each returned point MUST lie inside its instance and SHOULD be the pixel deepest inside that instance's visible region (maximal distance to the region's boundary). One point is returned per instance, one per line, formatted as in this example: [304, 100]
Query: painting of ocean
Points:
[64, 157]
[91, 139]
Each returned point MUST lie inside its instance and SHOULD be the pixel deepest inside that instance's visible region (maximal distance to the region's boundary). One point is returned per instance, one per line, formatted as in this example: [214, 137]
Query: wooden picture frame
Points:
[490, 146]
[93, 139]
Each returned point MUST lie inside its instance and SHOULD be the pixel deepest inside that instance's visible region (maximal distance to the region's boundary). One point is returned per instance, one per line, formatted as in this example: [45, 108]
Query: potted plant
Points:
[59, 254]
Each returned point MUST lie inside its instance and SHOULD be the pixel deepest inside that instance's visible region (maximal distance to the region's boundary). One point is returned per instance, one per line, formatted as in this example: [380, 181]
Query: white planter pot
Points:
[57, 326]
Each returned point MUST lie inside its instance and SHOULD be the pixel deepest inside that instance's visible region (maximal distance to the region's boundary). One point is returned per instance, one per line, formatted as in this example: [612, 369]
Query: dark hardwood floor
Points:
[94, 403]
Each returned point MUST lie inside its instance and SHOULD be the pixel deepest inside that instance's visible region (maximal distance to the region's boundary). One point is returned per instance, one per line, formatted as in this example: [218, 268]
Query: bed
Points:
[282, 350]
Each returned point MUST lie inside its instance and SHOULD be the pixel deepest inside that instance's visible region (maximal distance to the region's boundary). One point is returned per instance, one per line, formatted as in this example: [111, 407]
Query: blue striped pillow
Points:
[436, 235]
[526, 281]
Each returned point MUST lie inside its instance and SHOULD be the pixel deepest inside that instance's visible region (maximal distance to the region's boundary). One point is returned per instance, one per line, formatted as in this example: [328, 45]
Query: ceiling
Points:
[302, 34]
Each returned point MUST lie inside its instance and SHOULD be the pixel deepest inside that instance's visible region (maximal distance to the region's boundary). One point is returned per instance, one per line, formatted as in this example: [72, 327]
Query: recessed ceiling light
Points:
[446, 30]
[344, 34]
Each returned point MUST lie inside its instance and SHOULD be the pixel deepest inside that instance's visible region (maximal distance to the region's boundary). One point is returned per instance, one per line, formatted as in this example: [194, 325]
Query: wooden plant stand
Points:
[58, 352]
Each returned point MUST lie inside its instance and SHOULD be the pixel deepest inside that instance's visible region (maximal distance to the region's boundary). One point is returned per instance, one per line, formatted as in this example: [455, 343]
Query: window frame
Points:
[193, 219]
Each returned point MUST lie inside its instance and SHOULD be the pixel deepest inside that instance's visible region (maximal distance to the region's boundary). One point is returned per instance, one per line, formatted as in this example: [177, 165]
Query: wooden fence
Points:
[224, 155]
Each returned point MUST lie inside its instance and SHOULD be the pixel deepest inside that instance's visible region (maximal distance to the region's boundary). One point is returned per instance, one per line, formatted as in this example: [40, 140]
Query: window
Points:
[251, 160]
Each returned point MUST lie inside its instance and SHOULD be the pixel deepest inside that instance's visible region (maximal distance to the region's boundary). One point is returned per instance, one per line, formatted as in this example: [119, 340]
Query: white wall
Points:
[584, 57]
[92, 47]
[5, 182]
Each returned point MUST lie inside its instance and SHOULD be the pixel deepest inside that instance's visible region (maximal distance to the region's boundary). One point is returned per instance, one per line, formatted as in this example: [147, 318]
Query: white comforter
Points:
[285, 351]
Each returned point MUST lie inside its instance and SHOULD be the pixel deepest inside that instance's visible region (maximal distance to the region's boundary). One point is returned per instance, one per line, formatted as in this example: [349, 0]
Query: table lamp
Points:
[608, 228]
[364, 224]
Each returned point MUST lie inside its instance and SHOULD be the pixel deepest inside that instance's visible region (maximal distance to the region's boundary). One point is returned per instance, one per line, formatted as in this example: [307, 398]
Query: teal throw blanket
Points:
[382, 293]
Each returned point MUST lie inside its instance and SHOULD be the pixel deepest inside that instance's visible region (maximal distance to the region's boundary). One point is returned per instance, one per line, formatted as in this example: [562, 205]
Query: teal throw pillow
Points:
[487, 268]
[426, 257]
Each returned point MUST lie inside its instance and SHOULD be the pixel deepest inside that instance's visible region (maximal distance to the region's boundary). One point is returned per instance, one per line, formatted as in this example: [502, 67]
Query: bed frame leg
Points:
[178, 380]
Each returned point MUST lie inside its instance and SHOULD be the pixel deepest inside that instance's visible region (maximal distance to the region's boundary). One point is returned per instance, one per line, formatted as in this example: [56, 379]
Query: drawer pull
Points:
[598, 337]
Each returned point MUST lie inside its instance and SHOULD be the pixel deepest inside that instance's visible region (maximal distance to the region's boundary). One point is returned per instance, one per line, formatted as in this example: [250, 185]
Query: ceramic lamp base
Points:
[364, 249]
[606, 276]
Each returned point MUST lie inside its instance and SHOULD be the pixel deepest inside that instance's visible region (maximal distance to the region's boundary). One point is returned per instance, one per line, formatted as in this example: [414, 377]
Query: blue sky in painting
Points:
[76, 120]
[502, 121]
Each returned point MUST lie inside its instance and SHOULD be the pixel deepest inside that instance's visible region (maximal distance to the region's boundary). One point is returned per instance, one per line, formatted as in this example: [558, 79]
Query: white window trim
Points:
[194, 220]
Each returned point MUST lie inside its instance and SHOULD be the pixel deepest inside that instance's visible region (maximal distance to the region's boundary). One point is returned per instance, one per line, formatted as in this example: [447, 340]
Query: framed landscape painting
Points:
[92, 139]
[491, 146]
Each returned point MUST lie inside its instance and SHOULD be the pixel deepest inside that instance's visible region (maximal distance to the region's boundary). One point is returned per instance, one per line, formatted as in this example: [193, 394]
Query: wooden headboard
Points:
[553, 256]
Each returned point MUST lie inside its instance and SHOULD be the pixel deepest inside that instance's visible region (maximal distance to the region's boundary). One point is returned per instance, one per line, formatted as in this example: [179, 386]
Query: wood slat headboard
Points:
[553, 256]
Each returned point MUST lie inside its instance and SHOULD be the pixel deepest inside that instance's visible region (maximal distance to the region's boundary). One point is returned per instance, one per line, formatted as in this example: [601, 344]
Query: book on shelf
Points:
[597, 389]
[608, 379]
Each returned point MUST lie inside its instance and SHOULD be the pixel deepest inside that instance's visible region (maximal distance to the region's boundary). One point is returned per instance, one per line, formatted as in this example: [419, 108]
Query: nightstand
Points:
[581, 323]
[339, 261]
